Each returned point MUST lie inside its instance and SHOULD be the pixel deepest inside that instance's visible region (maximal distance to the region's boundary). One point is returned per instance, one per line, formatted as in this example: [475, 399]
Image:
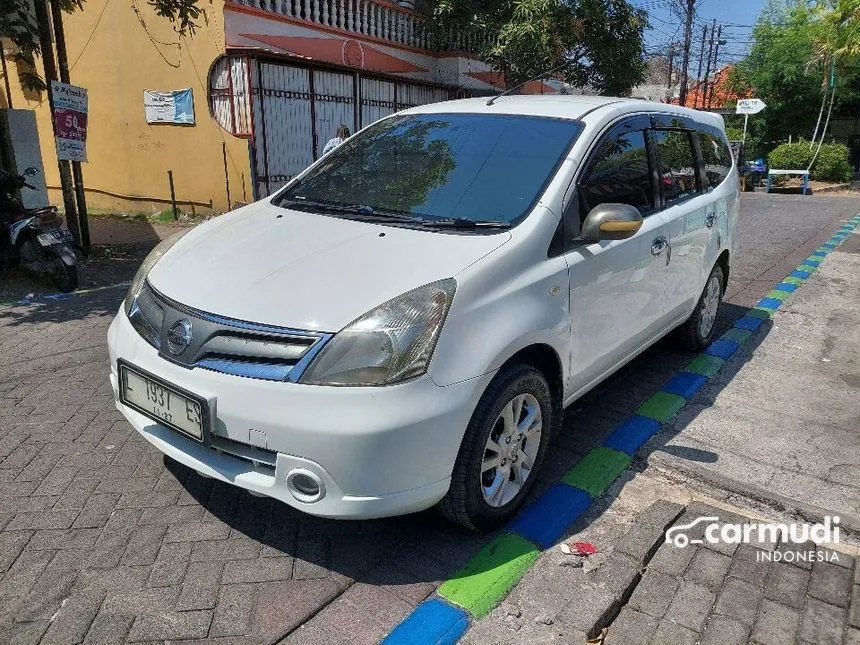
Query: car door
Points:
[692, 213]
[616, 286]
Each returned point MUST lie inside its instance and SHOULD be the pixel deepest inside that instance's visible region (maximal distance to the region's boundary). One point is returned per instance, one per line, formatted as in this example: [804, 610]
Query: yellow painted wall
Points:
[116, 56]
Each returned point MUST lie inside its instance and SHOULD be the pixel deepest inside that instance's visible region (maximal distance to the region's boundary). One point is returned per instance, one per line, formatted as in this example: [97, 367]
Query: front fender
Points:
[503, 317]
[19, 227]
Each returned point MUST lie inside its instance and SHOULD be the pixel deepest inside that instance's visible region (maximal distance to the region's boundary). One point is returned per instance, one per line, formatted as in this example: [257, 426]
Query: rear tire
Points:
[697, 332]
[502, 450]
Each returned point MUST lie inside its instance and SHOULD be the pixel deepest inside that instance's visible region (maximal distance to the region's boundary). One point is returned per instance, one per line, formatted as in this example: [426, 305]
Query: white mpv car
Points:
[403, 324]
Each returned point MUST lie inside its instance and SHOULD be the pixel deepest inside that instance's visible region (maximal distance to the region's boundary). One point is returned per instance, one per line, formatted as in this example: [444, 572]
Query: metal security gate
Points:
[296, 110]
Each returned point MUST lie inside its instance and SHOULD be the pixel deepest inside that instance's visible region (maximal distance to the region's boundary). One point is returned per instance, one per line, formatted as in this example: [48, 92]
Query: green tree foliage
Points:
[788, 67]
[601, 39]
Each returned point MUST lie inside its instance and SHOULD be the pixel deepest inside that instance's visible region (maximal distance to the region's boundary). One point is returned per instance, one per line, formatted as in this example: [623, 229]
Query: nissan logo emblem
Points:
[179, 336]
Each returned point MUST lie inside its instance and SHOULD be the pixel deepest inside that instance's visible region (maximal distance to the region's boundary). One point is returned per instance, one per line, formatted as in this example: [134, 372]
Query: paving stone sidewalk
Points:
[729, 594]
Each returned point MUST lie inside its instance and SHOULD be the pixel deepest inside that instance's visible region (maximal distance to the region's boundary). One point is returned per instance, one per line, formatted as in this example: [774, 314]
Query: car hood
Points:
[270, 265]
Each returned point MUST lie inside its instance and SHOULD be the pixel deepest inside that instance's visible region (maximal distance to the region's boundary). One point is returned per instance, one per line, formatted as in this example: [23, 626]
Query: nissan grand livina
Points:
[402, 325]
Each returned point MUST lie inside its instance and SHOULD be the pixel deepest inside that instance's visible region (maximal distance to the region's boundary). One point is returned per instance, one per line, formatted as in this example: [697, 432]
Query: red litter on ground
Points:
[578, 548]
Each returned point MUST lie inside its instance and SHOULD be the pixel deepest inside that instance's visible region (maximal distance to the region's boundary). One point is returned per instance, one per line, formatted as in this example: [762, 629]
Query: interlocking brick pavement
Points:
[757, 600]
[103, 540]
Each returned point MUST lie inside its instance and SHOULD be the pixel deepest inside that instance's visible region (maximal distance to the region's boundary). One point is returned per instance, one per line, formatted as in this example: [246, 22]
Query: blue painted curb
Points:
[770, 303]
[686, 384]
[724, 349]
[434, 622]
[632, 433]
[749, 323]
[786, 286]
[546, 519]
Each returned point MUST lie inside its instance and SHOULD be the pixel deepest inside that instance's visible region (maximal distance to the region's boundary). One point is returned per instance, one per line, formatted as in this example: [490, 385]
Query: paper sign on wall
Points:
[169, 107]
[70, 121]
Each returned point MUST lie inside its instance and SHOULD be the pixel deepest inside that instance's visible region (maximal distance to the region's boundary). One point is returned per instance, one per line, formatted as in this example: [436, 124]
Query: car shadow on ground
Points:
[422, 549]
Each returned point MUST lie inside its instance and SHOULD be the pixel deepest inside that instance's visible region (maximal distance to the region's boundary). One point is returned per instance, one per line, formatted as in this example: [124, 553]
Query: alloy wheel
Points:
[710, 305]
[511, 450]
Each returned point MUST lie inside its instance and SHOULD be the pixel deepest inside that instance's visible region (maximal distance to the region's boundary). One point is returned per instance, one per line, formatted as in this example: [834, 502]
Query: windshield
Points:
[478, 167]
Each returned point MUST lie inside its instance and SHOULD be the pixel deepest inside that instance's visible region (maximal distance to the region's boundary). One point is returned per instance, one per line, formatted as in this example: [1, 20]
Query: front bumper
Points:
[377, 451]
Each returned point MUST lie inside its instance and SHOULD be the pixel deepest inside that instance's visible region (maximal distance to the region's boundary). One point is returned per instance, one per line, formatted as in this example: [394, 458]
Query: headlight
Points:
[389, 344]
[150, 261]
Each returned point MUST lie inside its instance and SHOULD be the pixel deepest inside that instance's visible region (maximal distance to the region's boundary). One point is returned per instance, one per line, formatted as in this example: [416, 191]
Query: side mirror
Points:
[31, 172]
[611, 222]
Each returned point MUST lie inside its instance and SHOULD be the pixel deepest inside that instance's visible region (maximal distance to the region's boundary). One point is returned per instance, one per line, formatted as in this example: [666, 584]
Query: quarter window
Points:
[717, 158]
[678, 165]
[619, 173]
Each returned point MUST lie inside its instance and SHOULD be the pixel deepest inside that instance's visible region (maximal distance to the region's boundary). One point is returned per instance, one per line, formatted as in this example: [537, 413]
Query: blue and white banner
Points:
[169, 107]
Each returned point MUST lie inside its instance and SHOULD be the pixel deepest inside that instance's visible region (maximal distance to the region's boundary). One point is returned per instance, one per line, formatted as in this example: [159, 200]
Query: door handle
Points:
[710, 219]
[659, 245]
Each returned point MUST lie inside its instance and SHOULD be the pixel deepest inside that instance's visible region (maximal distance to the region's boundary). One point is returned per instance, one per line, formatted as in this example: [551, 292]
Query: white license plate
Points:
[47, 239]
[161, 402]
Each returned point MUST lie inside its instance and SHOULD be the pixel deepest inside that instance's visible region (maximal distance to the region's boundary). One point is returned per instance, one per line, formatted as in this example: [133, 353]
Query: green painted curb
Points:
[792, 280]
[779, 295]
[597, 470]
[739, 336]
[759, 313]
[662, 406]
[806, 268]
[705, 365]
[486, 578]
[767, 310]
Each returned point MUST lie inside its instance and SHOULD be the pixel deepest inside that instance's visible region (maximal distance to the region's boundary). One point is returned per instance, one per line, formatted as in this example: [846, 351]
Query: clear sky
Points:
[735, 16]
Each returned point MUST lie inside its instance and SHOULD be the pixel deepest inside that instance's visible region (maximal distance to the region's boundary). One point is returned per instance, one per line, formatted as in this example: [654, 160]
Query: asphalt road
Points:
[102, 540]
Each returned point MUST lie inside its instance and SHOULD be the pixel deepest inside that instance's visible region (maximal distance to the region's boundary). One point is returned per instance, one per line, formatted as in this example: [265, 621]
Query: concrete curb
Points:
[488, 577]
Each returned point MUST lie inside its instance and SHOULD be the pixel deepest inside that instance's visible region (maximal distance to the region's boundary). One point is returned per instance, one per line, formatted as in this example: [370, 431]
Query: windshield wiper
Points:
[463, 223]
[360, 210]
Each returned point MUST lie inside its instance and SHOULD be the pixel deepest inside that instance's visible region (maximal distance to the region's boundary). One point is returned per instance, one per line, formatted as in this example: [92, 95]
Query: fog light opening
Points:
[305, 486]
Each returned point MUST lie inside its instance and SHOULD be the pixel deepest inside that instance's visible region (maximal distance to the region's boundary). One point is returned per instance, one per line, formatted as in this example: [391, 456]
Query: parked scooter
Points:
[35, 239]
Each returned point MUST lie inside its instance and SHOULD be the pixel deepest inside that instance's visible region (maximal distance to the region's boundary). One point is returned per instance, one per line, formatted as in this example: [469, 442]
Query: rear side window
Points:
[678, 165]
[619, 173]
[717, 158]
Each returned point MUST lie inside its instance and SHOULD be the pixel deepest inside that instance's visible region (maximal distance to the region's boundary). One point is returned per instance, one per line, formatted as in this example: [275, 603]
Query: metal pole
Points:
[708, 64]
[716, 53]
[701, 60]
[47, 50]
[172, 195]
[63, 62]
[6, 77]
[226, 174]
[688, 33]
[746, 118]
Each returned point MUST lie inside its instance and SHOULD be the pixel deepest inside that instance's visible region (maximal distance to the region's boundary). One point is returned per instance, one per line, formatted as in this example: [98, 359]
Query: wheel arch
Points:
[724, 263]
[546, 360]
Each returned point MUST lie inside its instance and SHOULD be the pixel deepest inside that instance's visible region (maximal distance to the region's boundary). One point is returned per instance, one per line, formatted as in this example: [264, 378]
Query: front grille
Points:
[222, 344]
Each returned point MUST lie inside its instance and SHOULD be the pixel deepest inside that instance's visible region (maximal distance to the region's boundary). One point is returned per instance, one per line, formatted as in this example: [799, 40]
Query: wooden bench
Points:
[803, 174]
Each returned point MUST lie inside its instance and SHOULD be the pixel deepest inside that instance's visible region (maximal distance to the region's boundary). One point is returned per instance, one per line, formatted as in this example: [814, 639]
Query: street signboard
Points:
[749, 106]
[70, 121]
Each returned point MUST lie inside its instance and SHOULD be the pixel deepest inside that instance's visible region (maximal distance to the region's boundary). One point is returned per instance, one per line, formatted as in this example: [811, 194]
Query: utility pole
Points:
[716, 53]
[708, 65]
[51, 75]
[689, 10]
[701, 60]
[63, 60]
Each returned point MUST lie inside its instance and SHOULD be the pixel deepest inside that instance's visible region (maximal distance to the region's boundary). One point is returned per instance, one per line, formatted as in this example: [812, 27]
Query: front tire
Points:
[697, 332]
[502, 450]
[64, 276]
